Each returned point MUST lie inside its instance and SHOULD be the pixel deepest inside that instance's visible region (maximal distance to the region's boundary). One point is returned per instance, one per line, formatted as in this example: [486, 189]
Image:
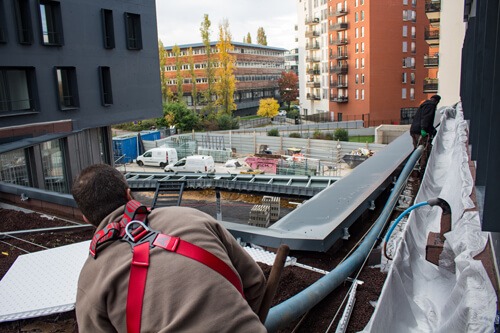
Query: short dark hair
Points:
[437, 98]
[98, 190]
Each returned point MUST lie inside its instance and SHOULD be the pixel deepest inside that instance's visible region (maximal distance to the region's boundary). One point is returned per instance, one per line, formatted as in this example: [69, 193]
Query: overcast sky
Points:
[179, 21]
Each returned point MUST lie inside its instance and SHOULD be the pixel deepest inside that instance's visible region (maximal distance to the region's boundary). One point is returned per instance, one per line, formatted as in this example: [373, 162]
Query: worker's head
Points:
[436, 98]
[98, 190]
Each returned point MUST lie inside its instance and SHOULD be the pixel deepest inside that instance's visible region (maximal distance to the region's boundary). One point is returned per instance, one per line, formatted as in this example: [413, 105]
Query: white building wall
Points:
[452, 33]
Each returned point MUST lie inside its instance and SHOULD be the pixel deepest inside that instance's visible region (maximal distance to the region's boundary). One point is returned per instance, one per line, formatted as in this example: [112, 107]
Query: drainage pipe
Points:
[284, 313]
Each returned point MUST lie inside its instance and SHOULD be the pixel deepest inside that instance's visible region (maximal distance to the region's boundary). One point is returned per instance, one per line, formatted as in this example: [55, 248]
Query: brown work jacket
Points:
[182, 295]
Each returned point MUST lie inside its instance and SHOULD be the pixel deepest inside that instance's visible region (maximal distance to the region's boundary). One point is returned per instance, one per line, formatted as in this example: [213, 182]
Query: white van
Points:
[160, 156]
[196, 163]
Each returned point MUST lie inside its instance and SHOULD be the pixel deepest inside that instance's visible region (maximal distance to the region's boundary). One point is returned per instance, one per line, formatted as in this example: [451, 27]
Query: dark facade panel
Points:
[135, 77]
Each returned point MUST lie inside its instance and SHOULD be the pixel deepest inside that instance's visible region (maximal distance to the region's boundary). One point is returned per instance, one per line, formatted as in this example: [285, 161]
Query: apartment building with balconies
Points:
[257, 70]
[68, 71]
[372, 56]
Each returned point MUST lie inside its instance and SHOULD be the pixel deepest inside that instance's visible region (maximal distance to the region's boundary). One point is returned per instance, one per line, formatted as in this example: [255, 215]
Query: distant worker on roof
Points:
[148, 270]
[422, 126]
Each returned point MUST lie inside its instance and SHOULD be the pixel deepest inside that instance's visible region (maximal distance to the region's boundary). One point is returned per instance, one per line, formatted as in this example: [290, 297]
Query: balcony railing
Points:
[313, 72]
[342, 69]
[314, 46]
[338, 84]
[431, 61]
[312, 21]
[339, 99]
[432, 36]
[312, 34]
[339, 41]
[313, 59]
[431, 85]
[339, 56]
[338, 12]
[433, 9]
[313, 97]
[313, 84]
[339, 26]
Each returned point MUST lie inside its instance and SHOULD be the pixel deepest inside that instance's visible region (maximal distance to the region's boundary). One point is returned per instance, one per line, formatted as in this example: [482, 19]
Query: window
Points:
[362, 94]
[3, 28]
[414, 3]
[405, 15]
[405, 31]
[23, 22]
[357, 47]
[413, 32]
[362, 31]
[356, 3]
[412, 93]
[67, 88]
[105, 80]
[53, 168]
[133, 30]
[356, 33]
[17, 89]
[357, 63]
[362, 78]
[362, 62]
[405, 47]
[357, 94]
[51, 23]
[413, 15]
[362, 15]
[362, 47]
[14, 169]
[413, 47]
[412, 78]
[403, 93]
[405, 2]
[108, 29]
[356, 18]
[403, 80]
[356, 79]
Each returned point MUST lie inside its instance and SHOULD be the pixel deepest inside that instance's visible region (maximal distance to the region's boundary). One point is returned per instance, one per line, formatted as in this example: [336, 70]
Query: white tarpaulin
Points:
[457, 296]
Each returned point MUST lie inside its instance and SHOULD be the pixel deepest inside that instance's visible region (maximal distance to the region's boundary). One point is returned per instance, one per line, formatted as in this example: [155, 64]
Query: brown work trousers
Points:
[426, 142]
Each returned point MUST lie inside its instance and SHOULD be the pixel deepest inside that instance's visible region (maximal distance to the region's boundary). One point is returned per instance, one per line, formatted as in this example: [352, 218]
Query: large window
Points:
[17, 89]
[108, 28]
[133, 30]
[53, 168]
[51, 22]
[105, 80]
[14, 169]
[23, 21]
[67, 88]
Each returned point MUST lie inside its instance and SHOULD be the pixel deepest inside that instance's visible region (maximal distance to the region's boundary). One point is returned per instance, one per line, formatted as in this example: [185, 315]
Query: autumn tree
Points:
[194, 89]
[226, 81]
[210, 68]
[288, 85]
[178, 67]
[162, 54]
[249, 39]
[268, 107]
[261, 36]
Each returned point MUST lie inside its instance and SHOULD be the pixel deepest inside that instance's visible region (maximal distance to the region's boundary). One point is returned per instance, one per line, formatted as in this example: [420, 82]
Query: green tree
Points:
[268, 107]
[162, 53]
[226, 81]
[177, 114]
[273, 132]
[178, 67]
[288, 86]
[261, 36]
[194, 89]
[210, 68]
[249, 39]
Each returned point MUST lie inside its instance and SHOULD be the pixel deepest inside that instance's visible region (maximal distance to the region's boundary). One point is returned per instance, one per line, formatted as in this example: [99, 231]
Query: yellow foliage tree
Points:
[268, 107]
[178, 67]
[226, 81]
[163, 63]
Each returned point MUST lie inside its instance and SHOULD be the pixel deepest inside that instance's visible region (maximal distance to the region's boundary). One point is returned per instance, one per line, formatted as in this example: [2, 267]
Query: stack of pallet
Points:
[260, 216]
[274, 206]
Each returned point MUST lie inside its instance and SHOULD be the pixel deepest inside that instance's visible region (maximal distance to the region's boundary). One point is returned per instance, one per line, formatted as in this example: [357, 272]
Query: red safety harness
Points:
[133, 229]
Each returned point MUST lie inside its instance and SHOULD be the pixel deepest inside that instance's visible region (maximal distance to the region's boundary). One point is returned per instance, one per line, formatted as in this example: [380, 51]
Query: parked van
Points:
[196, 163]
[160, 156]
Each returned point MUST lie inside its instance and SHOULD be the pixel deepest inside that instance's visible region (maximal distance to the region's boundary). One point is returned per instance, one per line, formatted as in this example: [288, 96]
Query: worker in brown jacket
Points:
[181, 294]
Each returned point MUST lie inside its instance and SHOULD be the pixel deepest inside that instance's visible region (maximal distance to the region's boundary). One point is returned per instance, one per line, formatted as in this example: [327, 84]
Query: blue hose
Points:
[403, 214]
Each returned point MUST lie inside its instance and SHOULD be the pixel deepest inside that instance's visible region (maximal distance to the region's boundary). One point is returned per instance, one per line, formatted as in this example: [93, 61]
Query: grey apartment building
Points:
[68, 71]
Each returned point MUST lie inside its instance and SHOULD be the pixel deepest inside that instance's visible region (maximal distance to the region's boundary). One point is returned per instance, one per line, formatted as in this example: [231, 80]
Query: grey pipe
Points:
[284, 313]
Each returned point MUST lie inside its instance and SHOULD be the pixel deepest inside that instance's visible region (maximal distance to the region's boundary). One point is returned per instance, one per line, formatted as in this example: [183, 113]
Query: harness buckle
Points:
[139, 234]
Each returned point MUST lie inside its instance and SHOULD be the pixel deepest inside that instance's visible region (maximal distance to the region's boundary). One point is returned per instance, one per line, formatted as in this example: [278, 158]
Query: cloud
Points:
[179, 21]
